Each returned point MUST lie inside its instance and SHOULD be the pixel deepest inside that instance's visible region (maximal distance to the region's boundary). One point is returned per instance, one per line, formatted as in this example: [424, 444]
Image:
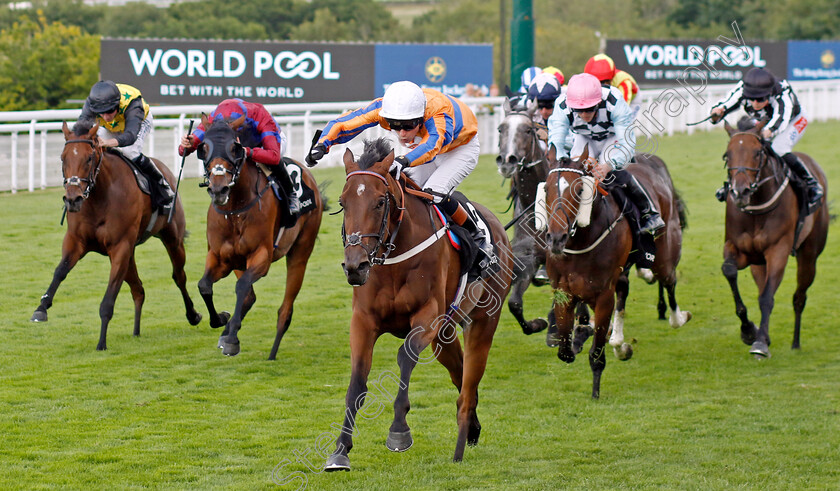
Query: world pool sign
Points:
[202, 72]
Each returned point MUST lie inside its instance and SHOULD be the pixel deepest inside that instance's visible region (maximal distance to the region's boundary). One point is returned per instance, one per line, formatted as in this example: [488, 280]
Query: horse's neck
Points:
[417, 223]
[773, 173]
[605, 210]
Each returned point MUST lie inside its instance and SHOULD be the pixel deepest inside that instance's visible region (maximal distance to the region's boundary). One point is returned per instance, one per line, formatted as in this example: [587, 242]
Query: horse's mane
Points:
[375, 151]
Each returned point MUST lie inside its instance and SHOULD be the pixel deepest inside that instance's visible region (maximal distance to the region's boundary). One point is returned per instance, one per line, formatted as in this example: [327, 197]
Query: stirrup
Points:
[651, 223]
[541, 274]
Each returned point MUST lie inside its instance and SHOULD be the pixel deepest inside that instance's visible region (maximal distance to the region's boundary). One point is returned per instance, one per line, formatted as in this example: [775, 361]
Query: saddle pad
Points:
[306, 196]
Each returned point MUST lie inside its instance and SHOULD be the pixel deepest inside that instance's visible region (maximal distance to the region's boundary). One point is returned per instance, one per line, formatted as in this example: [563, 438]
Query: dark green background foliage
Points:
[691, 410]
[565, 31]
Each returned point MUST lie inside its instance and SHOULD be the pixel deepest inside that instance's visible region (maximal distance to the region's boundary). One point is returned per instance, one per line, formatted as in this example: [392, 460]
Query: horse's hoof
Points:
[624, 352]
[579, 336]
[399, 441]
[337, 462]
[230, 349]
[224, 317]
[760, 349]
[221, 341]
[472, 435]
[194, 320]
[566, 356]
[39, 316]
[748, 333]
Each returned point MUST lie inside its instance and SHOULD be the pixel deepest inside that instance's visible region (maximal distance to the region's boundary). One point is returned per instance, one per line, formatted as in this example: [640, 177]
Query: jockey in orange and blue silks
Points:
[260, 136]
[438, 134]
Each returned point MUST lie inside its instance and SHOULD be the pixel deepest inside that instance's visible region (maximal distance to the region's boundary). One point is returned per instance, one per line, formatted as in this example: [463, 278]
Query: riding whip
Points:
[702, 121]
[180, 172]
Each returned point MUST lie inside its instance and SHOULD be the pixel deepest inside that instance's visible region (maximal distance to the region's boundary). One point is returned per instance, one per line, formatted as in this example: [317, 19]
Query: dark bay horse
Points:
[590, 243]
[408, 283]
[109, 214]
[245, 231]
[761, 221]
[523, 161]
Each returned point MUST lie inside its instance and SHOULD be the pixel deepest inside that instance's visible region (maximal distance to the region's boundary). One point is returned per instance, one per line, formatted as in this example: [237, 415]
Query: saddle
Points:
[643, 253]
[142, 180]
[306, 195]
[473, 263]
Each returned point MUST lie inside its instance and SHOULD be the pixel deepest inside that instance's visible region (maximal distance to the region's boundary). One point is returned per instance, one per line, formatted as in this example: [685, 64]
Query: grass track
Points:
[691, 410]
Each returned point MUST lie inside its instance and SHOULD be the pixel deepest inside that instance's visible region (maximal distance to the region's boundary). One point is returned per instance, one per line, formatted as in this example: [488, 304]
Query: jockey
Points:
[260, 130]
[439, 135]
[124, 122]
[603, 68]
[519, 101]
[765, 97]
[545, 90]
[599, 117]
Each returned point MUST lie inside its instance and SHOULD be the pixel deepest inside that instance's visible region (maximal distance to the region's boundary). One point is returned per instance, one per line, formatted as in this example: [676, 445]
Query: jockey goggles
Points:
[545, 104]
[586, 109]
[757, 99]
[401, 125]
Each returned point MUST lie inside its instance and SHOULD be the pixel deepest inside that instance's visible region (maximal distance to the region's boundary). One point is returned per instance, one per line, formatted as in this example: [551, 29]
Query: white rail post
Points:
[14, 162]
[43, 159]
[30, 185]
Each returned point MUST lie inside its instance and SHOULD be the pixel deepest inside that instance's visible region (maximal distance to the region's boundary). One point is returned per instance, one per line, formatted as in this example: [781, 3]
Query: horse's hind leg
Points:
[296, 260]
[138, 293]
[623, 351]
[72, 251]
[661, 307]
[806, 271]
[730, 272]
[677, 317]
[177, 255]
[521, 282]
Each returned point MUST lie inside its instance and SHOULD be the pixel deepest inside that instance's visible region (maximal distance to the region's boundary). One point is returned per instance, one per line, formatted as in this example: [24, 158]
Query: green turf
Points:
[691, 410]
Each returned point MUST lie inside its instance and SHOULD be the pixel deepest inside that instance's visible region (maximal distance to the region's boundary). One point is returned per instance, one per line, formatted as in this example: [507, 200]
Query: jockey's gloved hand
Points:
[316, 154]
[398, 165]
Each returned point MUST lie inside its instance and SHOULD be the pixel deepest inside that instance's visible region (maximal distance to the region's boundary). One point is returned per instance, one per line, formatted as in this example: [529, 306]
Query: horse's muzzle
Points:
[357, 275]
[73, 204]
[220, 196]
[557, 242]
[741, 195]
[506, 165]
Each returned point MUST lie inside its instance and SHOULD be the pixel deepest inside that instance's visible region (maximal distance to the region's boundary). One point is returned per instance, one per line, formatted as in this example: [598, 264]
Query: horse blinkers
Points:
[214, 166]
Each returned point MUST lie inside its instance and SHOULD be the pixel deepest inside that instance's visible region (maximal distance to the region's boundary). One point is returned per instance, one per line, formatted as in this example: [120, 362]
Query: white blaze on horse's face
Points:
[218, 170]
[360, 190]
[586, 196]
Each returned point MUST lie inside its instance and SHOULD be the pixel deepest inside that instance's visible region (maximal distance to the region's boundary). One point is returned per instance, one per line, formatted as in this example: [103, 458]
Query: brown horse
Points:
[761, 222]
[246, 233]
[590, 243]
[408, 282]
[109, 214]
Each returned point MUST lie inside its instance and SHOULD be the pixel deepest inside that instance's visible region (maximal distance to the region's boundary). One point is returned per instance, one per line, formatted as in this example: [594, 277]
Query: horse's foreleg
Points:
[296, 261]
[597, 357]
[214, 270]
[72, 250]
[730, 272]
[138, 293]
[564, 318]
[258, 266]
[622, 289]
[121, 256]
[776, 260]
[177, 256]
[521, 281]
[362, 339]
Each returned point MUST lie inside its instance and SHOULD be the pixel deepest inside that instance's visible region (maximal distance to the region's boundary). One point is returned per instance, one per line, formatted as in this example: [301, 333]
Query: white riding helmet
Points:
[403, 101]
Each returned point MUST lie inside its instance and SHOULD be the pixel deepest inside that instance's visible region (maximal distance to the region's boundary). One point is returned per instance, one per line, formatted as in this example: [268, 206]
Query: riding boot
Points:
[815, 191]
[459, 215]
[162, 194]
[650, 220]
[289, 187]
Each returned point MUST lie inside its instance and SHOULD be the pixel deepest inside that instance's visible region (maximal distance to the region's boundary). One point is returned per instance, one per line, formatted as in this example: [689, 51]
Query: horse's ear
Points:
[350, 165]
[759, 126]
[552, 154]
[205, 121]
[67, 133]
[92, 133]
[531, 107]
[729, 129]
[384, 165]
[238, 122]
[507, 107]
[585, 155]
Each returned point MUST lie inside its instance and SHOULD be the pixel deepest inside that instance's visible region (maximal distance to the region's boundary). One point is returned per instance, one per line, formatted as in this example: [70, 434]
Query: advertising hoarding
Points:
[447, 68]
[813, 60]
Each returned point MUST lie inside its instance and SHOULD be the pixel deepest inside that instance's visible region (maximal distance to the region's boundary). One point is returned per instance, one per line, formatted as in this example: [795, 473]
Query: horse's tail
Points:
[322, 190]
[682, 209]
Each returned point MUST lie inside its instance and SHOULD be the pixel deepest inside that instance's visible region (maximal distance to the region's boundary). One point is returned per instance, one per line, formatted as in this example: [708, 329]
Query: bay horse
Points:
[246, 232]
[761, 230]
[407, 282]
[523, 161]
[109, 214]
[590, 244]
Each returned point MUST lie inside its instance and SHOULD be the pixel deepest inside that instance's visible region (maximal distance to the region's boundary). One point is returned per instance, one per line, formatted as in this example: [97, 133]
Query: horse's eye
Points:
[380, 203]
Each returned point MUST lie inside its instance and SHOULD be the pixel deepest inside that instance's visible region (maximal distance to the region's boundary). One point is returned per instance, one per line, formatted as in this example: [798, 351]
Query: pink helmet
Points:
[584, 91]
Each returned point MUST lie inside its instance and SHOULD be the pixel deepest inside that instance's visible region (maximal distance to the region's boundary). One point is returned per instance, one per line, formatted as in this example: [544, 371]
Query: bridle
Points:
[354, 239]
[90, 180]
[235, 172]
[755, 183]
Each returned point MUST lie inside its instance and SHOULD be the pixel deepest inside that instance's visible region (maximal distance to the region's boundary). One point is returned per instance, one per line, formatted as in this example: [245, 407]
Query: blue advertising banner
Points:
[448, 68]
[813, 60]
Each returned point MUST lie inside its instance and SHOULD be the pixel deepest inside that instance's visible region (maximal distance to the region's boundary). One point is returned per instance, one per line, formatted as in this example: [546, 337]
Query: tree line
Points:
[49, 53]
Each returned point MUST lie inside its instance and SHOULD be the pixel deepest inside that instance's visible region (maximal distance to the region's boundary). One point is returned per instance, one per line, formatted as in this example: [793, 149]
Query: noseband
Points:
[94, 169]
[355, 238]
